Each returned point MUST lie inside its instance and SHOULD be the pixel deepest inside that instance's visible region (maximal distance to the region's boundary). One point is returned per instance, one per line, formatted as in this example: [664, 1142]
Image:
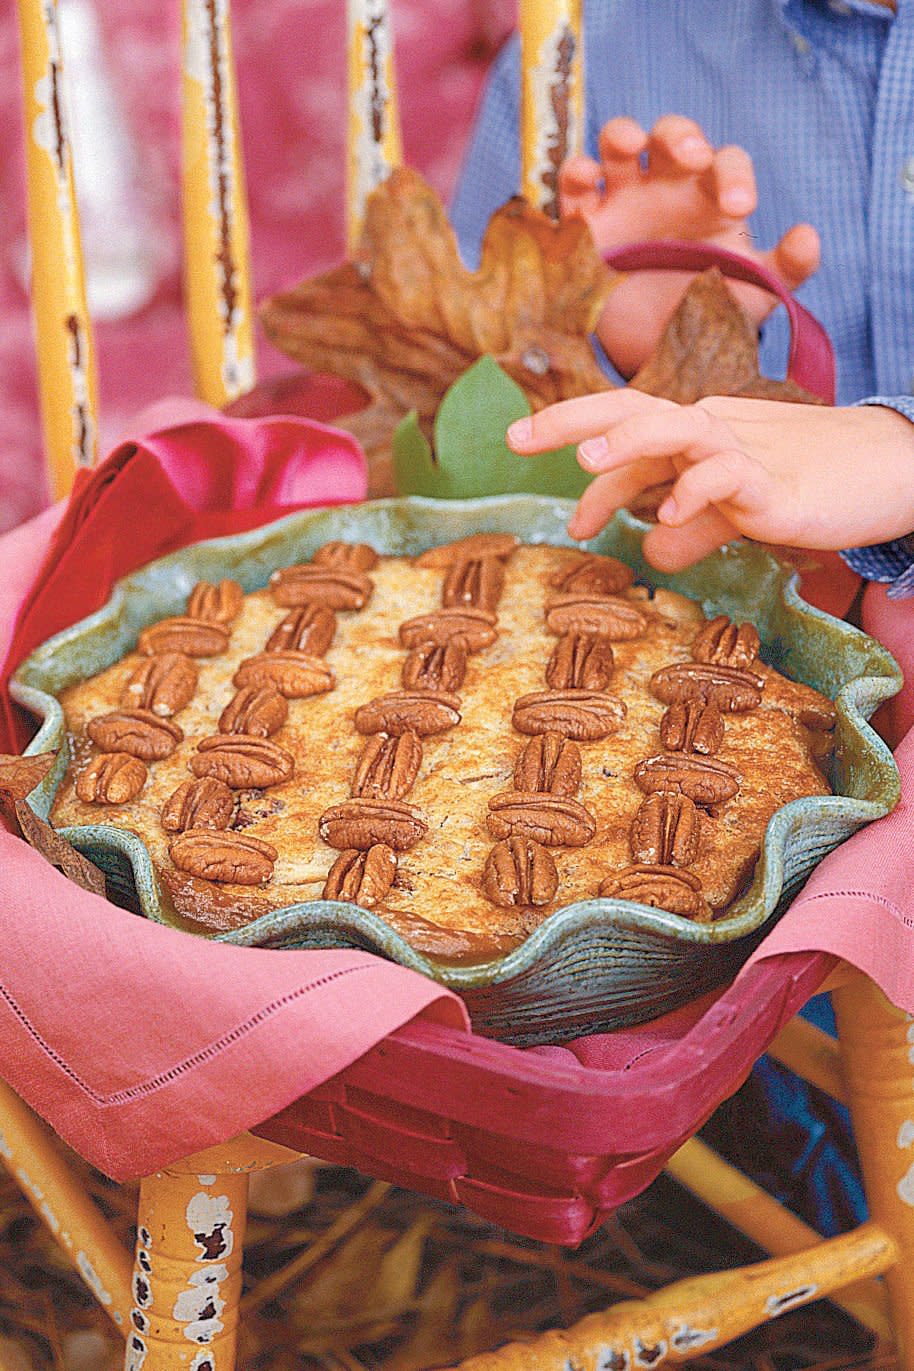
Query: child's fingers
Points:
[622, 142]
[608, 493]
[673, 549]
[676, 146]
[730, 477]
[690, 431]
[580, 185]
[573, 421]
[796, 256]
[731, 181]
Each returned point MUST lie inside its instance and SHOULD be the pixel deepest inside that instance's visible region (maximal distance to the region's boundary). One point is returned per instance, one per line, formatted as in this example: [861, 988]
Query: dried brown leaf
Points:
[20, 775]
[46, 840]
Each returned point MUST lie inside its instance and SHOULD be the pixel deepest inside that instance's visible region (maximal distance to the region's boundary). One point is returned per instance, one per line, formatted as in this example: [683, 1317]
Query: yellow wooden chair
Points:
[176, 1301]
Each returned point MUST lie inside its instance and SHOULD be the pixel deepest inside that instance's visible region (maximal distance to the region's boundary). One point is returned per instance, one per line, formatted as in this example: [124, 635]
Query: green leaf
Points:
[471, 457]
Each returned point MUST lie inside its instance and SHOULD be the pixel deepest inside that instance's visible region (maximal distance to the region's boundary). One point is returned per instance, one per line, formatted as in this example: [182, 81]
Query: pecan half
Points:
[294, 674]
[464, 549]
[581, 714]
[472, 629]
[519, 872]
[705, 780]
[666, 830]
[605, 615]
[554, 820]
[661, 887]
[346, 556]
[549, 765]
[193, 637]
[258, 711]
[362, 878]
[217, 604]
[243, 763]
[388, 767]
[434, 667]
[725, 643]
[137, 731]
[593, 575]
[417, 711]
[692, 726]
[309, 629]
[730, 688]
[329, 586]
[205, 803]
[478, 582]
[114, 778]
[360, 823]
[580, 661]
[232, 858]
[164, 684]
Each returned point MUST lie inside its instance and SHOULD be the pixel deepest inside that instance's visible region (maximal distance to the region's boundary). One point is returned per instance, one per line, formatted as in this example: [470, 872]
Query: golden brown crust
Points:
[437, 898]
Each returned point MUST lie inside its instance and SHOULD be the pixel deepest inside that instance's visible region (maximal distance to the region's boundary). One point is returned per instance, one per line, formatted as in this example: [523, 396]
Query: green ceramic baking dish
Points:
[593, 965]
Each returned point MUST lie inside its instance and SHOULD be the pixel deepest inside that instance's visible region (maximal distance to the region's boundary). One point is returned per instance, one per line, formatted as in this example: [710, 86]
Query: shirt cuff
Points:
[891, 562]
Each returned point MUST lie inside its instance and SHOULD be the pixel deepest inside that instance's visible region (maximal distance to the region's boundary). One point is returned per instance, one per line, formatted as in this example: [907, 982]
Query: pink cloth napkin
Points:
[140, 1044]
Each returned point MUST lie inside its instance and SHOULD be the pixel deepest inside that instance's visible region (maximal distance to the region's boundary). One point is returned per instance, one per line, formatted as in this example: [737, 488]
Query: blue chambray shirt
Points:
[821, 94]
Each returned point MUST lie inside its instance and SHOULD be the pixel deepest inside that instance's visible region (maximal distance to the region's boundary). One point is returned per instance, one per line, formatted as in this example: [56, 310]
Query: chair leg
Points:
[877, 1046]
[187, 1272]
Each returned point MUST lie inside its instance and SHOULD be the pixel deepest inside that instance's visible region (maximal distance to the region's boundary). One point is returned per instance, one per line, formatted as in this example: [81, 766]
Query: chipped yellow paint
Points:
[65, 347]
[694, 1316]
[552, 95]
[28, 1151]
[373, 145]
[217, 273]
[187, 1272]
[876, 1046]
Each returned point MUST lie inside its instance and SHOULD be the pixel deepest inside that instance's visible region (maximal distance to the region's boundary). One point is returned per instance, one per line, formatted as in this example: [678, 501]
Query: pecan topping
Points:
[362, 878]
[256, 710]
[705, 780]
[217, 604]
[661, 887]
[360, 823]
[550, 765]
[137, 731]
[418, 711]
[477, 545]
[666, 830]
[234, 858]
[193, 637]
[472, 629]
[730, 688]
[206, 803]
[164, 684]
[581, 661]
[582, 714]
[692, 726]
[293, 674]
[346, 556]
[309, 629]
[388, 767]
[114, 778]
[242, 763]
[593, 575]
[519, 871]
[554, 820]
[725, 643]
[605, 615]
[324, 585]
[434, 667]
[478, 582]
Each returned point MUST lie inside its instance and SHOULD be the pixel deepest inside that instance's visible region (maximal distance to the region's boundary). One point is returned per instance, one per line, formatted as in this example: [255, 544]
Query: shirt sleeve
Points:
[491, 169]
[891, 562]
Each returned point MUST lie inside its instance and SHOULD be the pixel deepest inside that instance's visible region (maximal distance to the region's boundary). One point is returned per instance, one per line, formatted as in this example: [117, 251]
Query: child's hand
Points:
[686, 190]
[801, 475]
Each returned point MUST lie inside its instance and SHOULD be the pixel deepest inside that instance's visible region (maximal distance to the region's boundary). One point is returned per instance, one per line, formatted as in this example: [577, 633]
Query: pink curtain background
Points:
[291, 72]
